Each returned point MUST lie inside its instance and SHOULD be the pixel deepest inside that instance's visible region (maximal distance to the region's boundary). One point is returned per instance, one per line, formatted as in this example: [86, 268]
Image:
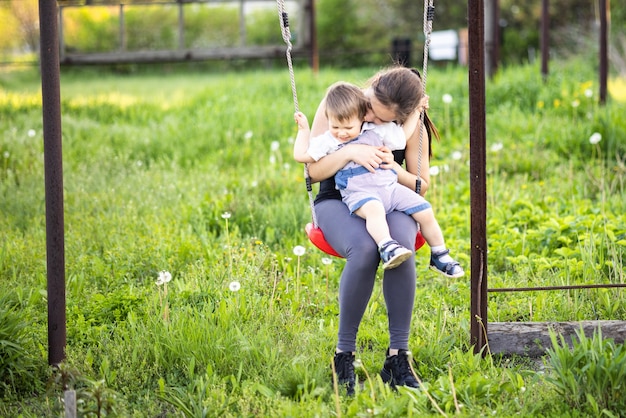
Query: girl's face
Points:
[345, 130]
[377, 112]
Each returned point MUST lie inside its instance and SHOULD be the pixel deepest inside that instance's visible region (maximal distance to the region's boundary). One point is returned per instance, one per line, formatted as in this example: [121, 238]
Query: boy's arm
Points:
[301, 144]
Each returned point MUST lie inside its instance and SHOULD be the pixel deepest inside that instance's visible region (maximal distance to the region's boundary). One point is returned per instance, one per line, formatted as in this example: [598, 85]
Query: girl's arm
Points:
[415, 158]
[410, 125]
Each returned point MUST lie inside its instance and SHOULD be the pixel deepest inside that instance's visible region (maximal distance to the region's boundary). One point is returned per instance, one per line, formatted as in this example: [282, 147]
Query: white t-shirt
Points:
[391, 134]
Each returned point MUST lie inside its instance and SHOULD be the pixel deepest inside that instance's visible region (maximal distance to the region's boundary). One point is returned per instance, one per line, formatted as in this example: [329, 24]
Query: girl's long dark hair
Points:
[398, 89]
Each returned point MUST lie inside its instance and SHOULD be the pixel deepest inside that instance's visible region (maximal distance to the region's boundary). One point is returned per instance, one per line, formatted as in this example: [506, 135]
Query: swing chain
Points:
[286, 34]
[429, 15]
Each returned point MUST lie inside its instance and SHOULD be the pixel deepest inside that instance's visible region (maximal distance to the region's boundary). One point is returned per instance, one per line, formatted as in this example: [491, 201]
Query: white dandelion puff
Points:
[588, 93]
[164, 277]
[497, 147]
[434, 170]
[226, 215]
[457, 155]
[234, 286]
[272, 159]
[299, 250]
[595, 138]
[447, 99]
[275, 146]
[248, 135]
[31, 133]
[326, 261]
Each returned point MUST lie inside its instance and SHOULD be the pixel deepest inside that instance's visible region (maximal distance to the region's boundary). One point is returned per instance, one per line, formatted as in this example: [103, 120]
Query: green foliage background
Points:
[155, 158]
[349, 33]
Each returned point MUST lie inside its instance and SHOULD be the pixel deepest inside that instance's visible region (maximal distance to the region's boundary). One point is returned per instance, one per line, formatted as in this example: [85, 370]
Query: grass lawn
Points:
[190, 173]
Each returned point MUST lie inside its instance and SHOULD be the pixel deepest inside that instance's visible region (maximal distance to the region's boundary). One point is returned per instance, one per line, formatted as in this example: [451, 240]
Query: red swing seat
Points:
[316, 236]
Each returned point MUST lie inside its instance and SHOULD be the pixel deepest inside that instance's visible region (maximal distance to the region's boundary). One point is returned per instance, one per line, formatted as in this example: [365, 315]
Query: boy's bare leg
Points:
[375, 220]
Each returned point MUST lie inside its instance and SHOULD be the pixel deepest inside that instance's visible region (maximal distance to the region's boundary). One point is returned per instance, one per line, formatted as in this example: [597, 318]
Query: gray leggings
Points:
[348, 236]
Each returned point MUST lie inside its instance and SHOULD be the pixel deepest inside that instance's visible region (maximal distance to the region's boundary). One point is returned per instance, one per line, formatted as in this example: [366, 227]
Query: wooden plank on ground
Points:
[532, 338]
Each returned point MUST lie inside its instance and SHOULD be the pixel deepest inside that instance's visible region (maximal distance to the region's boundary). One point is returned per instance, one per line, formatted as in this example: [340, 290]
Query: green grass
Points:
[153, 162]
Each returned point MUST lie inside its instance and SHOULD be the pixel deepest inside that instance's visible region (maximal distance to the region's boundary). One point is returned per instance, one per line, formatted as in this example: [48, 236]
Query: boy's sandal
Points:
[447, 269]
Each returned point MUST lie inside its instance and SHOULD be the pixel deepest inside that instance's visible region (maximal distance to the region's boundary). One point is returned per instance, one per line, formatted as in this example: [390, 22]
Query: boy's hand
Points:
[301, 120]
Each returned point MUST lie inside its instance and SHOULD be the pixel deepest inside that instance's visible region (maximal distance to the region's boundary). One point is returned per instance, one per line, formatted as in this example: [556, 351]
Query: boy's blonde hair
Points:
[345, 101]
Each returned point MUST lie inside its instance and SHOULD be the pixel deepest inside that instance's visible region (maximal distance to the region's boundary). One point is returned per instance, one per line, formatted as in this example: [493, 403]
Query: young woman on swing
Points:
[394, 95]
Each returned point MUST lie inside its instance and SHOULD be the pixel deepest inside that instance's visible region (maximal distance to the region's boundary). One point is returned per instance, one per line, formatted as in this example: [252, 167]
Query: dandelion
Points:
[576, 103]
[541, 104]
[248, 135]
[275, 146]
[497, 147]
[226, 215]
[272, 159]
[234, 286]
[31, 133]
[447, 99]
[162, 280]
[164, 277]
[457, 155]
[299, 250]
[595, 138]
[6, 154]
[434, 170]
[327, 261]
[588, 93]
[286, 166]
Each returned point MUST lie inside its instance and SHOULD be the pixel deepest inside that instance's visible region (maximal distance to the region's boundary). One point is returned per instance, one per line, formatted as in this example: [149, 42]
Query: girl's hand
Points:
[370, 157]
[423, 104]
[387, 157]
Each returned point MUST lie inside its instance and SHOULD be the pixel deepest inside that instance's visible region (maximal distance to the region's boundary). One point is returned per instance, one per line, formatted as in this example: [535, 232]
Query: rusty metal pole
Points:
[545, 37]
[53, 167]
[604, 59]
[478, 185]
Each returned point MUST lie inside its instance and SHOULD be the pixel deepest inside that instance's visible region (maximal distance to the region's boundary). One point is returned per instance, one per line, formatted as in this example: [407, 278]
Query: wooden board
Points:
[532, 338]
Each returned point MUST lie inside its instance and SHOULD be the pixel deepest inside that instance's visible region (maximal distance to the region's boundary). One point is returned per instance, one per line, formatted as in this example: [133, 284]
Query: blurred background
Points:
[347, 33]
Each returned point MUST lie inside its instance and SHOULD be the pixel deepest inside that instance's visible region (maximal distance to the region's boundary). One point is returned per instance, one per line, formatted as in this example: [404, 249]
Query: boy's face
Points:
[346, 129]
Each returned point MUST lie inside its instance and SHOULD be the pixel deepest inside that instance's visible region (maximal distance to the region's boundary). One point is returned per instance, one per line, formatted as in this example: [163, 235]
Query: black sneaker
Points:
[397, 370]
[344, 368]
